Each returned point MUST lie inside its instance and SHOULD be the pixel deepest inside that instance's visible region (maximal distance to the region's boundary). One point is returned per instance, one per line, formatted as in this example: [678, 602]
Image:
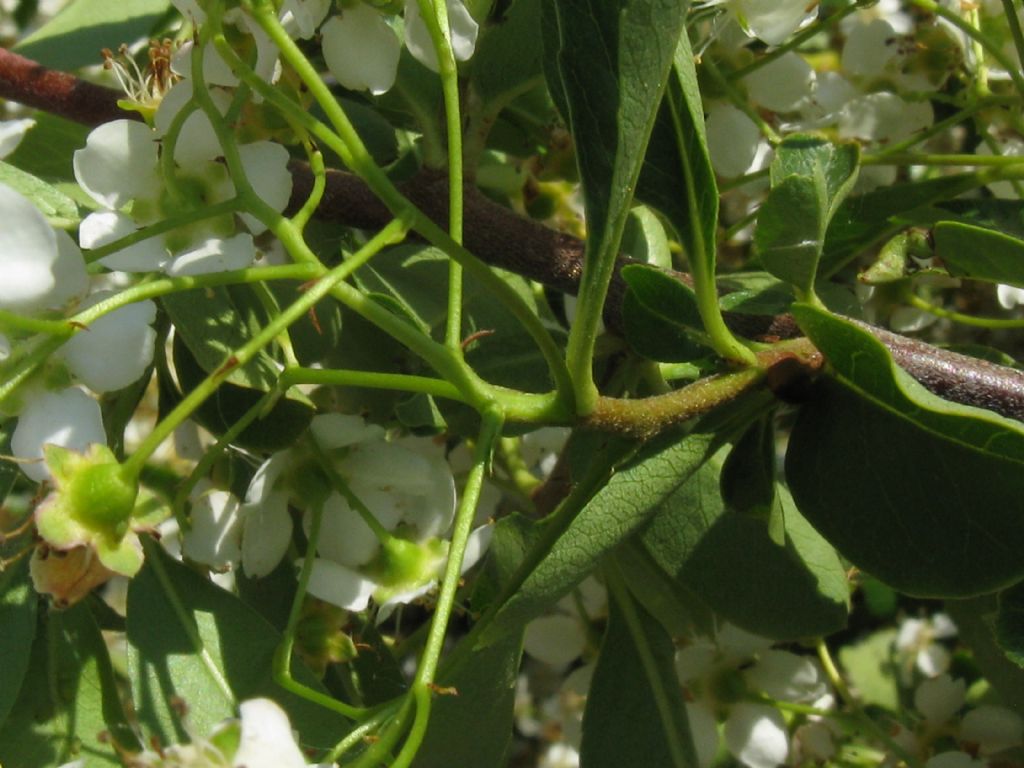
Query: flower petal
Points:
[267, 740]
[463, 32]
[215, 538]
[556, 640]
[69, 418]
[215, 255]
[266, 167]
[266, 534]
[344, 537]
[361, 49]
[104, 227]
[340, 586]
[756, 735]
[127, 330]
[118, 164]
[11, 134]
[28, 252]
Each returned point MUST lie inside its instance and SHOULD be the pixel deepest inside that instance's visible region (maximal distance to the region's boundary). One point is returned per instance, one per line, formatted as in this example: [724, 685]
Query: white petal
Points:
[69, 418]
[756, 735]
[266, 168]
[883, 117]
[738, 645]
[939, 698]
[197, 142]
[339, 430]
[773, 21]
[694, 661]
[104, 227]
[69, 271]
[28, 252]
[344, 537]
[732, 139]
[704, 731]
[868, 48]
[361, 50]
[463, 31]
[933, 660]
[556, 640]
[264, 482]
[115, 350]
[340, 586]
[215, 255]
[476, 545]
[118, 164]
[11, 134]
[781, 84]
[787, 676]
[267, 740]
[266, 534]
[992, 728]
[215, 70]
[300, 18]
[215, 538]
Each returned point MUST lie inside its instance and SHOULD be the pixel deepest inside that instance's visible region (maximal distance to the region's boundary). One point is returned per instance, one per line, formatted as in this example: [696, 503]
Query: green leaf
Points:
[918, 491]
[748, 475]
[484, 684]
[635, 706]
[18, 619]
[977, 622]
[565, 555]
[1010, 623]
[677, 177]
[790, 232]
[659, 313]
[723, 556]
[76, 35]
[873, 670]
[980, 253]
[644, 238]
[810, 178]
[864, 220]
[509, 55]
[59, 209]
[189, 640]
[46, 151]
[70, 698]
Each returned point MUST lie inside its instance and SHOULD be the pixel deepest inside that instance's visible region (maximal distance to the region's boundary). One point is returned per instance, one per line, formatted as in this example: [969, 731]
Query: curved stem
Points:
[959, 317]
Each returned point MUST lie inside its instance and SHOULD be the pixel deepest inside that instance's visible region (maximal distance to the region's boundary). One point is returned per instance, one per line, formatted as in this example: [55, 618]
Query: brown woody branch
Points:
[504, 239]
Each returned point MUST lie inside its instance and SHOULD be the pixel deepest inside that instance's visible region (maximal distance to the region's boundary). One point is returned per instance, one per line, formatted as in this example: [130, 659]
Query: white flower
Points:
[361, 49]
[733, 139]
[11, 134]
[267, 740]
[704, 731]
[884, 117]
[916, 641]
[127, 330]
[462, 27]
[772, 21]
[125, 149]
[69, 418]
[41, 267]
[788, 677]
[557, 640]
[756, 735]
[215, 537]
[781, 84]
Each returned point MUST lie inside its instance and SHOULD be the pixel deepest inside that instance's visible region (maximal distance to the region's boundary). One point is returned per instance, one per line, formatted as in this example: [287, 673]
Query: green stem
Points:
[338, 483]
[11, 321]
[490, 433]
[247, 351]
[349, 146]
[741, 102]
[435, 14]
[347, 378]
[1015, 31]
[910, 158]
[282, 665]
[949, 314]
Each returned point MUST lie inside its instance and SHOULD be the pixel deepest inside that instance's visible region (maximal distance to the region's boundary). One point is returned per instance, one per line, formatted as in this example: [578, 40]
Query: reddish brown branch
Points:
[506, 240]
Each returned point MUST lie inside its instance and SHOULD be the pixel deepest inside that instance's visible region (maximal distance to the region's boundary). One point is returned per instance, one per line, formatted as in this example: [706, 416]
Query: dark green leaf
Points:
[980, 253]
[644, 238]
[69, 698]
[610, 62]
[652, 336]
[726, 558]
[76, 35]
[471, 726]
[864, 220]
[635, 706]
[509, 55]
[977, 620]
[1010, 623]
[217, 653]
[811, 156]
[748, 475]
[677, 177]
[661, 293]
[59, 209]
[914, 489]
[47, 149]
[17, 630]
[790, 232]
[376, 673]
[565, 555]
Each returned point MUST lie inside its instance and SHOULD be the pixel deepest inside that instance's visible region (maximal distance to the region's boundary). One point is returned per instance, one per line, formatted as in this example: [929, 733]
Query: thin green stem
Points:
[247, 351]
[316, 194]
[339, 484]
[282, 665]
[1015, 31]
[347, 378]
[11, 321]
[910, 158]
[349, 146]
[741, 102]
[435, 14]
[490, 433]
[959, 317]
